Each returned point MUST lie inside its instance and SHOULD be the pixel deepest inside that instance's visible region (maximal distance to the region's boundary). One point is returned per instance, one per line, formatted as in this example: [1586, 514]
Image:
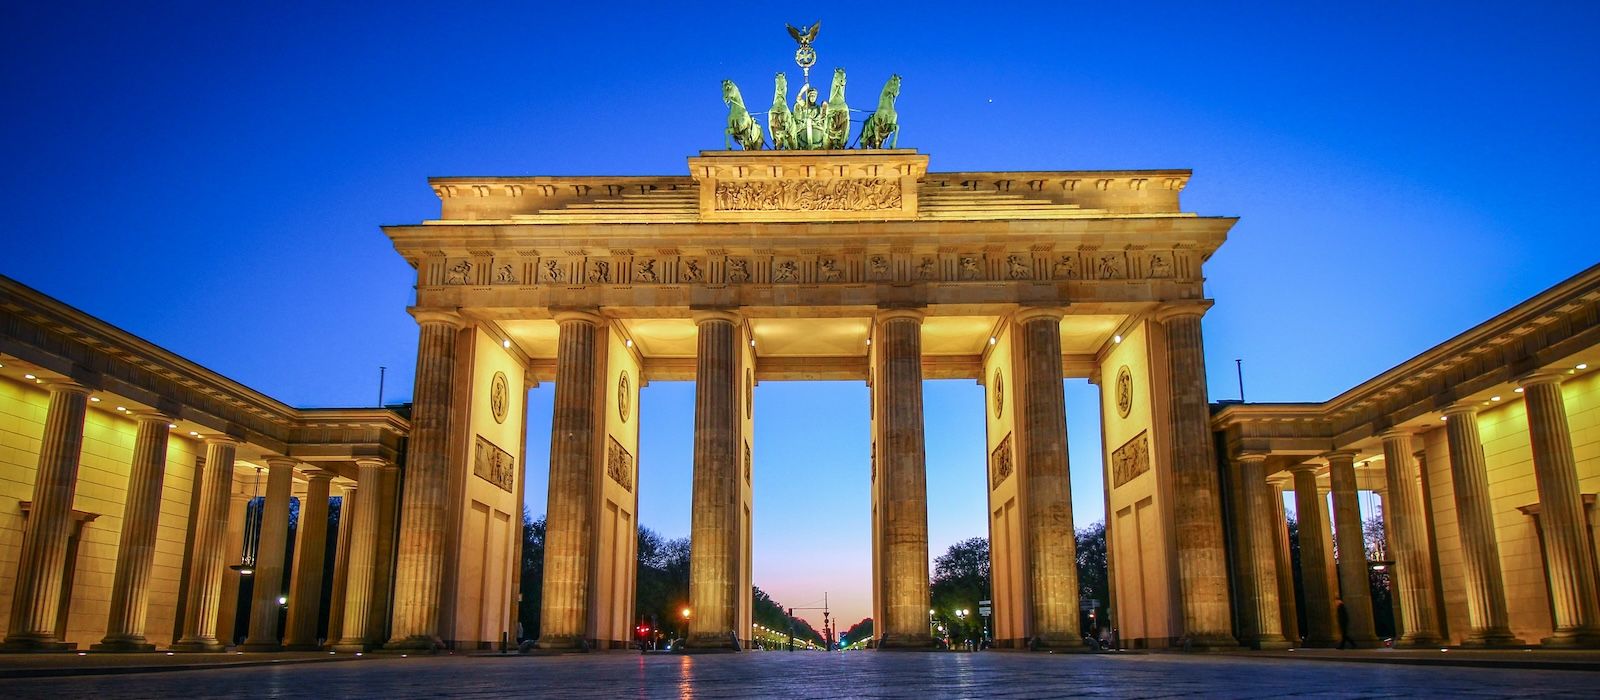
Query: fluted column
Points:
[714, 525]
[903, 479]
[1408, 544]
[130, 586]
[419, 570]
[305, 595]
[388, 504]
[233, 548]
[1197, 510]
[1480, 548]
[569, 526]
[1355, 583]
[1260, 553]
[1052, 550]
[209, 549]
[36, 596]
[1314, 575]
[1288, 612]
[1568, 556]
[363, 553]
[274, 540]
[341, 561]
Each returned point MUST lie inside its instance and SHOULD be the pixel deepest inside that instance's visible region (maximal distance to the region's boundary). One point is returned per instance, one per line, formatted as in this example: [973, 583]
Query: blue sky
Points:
[212, 177]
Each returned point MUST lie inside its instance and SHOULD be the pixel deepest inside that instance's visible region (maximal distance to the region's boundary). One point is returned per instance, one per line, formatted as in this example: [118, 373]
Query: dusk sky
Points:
[212, 178]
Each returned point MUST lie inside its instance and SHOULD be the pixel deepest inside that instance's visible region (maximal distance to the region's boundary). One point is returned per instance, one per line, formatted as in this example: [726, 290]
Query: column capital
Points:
[899, 313]
[377, 462]
[1460, 407]
[228, 440]
[349, 487]
[144, 416]
[1031, 313]
[280, 461]
[1251, 457]
[1541, 376]
[446, 316]
[1305, 467]
[1178, 309]
[1396, 433]
[315, 473]
[67, 386]
[589, 316]
[710, 314]
[1347, 456]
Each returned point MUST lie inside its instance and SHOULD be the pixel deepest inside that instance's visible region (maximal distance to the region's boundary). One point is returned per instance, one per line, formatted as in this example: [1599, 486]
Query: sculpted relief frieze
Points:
[494, 465]
[1130, 460]
[627, 269]
[864, 194]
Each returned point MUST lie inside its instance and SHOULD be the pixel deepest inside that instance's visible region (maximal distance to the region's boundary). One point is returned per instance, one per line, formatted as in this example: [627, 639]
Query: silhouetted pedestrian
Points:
[1344, 624]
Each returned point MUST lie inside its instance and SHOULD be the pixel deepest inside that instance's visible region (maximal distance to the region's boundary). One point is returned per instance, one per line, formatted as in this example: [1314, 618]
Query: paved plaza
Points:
[817, 675]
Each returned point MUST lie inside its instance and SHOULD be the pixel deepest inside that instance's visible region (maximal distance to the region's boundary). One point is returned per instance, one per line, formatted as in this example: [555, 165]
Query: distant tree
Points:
[961, 578]
[1093, 576]
[532, 574]
[662, 587]
[1380, 581]
[857, 632]
[770, 613]
[1299, 578]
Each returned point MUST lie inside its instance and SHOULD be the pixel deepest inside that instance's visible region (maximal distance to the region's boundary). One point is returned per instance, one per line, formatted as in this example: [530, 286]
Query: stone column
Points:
[419, 572]
[1197, 510]
[130, 586]
[41, 564]
[1355, 583]
[1042, 423]
[903, 480]
[1288, 612]
[233, 549]
[1314, 575]
[363, 552]
[714, 525]
[341, 561]
[209, 549]
[388, 504]
[305, 595]
[1480, 549]
[1260, 553]
[1408, 544]
[569, 527]
[268, 583]
[1568, 556]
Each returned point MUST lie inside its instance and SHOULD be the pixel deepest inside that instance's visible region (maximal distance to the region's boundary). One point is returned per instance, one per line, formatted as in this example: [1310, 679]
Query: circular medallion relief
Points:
[999, 384]
[1124, 392]
[499, 396]
[749, 392]
[624, 396]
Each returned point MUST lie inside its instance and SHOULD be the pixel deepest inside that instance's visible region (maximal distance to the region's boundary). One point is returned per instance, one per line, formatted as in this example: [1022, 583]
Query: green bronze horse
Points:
[884, 123]
[741, 126]
[836, 127]
[780, 121]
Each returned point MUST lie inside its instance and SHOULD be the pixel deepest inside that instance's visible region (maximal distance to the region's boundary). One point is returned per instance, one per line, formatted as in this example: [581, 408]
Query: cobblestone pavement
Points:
[818, 675]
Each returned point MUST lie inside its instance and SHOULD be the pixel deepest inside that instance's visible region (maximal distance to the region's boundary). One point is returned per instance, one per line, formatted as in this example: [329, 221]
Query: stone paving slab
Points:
[34, 665]
[820, 675]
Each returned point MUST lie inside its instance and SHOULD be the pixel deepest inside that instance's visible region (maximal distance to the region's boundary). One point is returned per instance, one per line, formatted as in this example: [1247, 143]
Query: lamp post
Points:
[685, 628]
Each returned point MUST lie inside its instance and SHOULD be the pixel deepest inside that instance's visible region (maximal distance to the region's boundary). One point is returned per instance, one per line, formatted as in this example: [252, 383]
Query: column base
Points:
[1573, 639]
[703, 643]
[1420, 641]
[562, 643]
[415, 643]
[907, 642]
[1273, 643]
[1319, 643]
[193, 646]
[352, 645]
[1209, 642]
[259, 646]
[307, 646]
[123, 644]
[1492, 639]
[30, 643]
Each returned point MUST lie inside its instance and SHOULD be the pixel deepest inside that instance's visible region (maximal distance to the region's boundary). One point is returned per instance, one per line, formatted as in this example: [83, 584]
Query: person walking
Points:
[1344, 624]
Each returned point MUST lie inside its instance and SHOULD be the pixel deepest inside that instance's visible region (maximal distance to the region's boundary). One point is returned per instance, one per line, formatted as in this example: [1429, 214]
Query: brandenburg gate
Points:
[857, 265]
